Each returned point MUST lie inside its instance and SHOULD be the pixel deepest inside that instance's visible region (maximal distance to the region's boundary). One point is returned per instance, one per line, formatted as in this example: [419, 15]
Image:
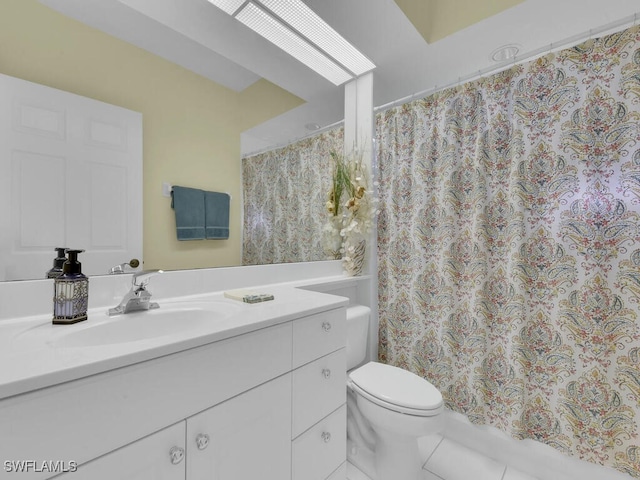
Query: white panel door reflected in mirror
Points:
[72, 177]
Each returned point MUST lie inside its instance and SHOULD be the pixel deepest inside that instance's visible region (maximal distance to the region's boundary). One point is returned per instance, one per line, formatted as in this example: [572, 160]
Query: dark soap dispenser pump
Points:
[56, 271]
[71, 292]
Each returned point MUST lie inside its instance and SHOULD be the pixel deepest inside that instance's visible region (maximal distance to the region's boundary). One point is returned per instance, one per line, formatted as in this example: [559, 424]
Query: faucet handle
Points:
[133, 263]
[141, 279]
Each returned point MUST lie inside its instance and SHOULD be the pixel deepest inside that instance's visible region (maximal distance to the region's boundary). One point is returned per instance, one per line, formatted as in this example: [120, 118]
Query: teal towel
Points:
[216, 206]
[188, 204]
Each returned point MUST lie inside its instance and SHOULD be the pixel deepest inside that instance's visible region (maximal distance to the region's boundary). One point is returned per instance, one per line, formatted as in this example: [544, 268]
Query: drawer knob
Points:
[202, 441]
[326, 326]
[326, 437]
[176, 454]
[326, 373]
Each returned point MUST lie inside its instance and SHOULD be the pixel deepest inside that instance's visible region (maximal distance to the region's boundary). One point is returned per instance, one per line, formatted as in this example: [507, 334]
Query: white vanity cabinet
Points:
[244, 437]
[261, 405]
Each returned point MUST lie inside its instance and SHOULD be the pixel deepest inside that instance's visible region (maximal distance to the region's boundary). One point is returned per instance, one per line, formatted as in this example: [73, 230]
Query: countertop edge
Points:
[34, 383]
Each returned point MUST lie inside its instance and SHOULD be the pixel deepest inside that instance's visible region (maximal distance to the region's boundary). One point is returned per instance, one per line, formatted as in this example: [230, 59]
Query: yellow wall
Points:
[436, 19]
[191, 125]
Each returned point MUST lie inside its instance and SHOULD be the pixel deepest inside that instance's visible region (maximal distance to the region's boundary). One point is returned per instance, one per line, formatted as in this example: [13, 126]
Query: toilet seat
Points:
[396, 389]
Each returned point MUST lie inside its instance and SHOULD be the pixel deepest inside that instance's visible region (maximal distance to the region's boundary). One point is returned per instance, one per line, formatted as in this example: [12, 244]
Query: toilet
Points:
[388, 409]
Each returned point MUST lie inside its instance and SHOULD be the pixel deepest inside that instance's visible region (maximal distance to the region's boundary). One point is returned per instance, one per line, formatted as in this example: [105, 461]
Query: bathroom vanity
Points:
[254, 391]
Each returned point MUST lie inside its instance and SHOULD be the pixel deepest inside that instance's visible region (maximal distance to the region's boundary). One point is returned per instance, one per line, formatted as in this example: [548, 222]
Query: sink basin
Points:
[174, 319]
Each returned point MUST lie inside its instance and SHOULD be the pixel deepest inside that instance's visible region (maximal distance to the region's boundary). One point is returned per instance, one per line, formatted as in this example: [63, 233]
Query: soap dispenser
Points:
[71, 292]
[56, 271]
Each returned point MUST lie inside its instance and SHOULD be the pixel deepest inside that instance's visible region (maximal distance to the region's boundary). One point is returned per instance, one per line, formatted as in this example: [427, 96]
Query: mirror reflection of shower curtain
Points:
[285, 195]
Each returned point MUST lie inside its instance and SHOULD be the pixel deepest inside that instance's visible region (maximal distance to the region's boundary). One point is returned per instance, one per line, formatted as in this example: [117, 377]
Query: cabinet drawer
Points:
[317, 335]
[322, 448]
[319, 388]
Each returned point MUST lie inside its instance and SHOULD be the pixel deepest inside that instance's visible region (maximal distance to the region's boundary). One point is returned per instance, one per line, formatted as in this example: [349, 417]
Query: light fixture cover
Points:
[299, 31]
[264, 24]
[229, 6]
[310, 25]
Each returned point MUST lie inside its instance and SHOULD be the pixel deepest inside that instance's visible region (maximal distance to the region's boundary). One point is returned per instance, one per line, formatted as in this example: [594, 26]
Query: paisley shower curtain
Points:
[285, 192]
[509, 248]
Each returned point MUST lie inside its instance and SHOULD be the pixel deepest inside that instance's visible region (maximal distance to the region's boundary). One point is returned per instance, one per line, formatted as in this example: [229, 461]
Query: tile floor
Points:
[448, 460]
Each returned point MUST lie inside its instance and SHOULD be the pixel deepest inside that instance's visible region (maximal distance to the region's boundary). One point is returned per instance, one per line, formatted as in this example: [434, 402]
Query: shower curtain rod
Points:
[299, 139]
[553, 47]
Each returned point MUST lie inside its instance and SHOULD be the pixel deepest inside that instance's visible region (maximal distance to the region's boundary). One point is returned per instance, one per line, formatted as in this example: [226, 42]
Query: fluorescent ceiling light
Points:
[309, 24]
[229, 6]
[265, 25]
[299, 31]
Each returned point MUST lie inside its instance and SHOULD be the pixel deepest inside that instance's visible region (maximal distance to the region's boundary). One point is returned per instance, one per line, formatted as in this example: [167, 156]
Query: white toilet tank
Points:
[357, 329]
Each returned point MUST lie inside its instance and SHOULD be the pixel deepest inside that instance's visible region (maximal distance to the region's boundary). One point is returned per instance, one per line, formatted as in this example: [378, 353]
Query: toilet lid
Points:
[396, 386]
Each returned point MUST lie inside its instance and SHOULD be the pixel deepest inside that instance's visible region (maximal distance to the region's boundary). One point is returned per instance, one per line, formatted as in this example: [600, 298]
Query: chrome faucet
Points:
[138, 298]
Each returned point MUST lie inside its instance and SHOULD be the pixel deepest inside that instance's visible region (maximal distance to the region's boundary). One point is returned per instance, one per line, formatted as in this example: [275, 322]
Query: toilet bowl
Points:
[400, 407]
[388, 410]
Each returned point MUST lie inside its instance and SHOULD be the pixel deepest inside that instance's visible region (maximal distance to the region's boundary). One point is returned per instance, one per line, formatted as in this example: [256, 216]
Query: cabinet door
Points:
[245, 438]
[160, 456]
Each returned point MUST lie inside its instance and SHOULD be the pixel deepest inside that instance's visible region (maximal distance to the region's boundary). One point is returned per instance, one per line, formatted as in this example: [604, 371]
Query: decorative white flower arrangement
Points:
[352, 208]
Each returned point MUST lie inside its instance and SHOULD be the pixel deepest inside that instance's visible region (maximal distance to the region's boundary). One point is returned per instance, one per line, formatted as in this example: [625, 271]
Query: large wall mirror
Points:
[191, 135]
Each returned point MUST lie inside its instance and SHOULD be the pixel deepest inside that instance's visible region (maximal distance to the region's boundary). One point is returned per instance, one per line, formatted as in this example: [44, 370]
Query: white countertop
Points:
[35, 354]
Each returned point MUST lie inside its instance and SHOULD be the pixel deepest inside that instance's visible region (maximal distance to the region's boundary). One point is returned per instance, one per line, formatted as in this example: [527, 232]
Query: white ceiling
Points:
[198, 36]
